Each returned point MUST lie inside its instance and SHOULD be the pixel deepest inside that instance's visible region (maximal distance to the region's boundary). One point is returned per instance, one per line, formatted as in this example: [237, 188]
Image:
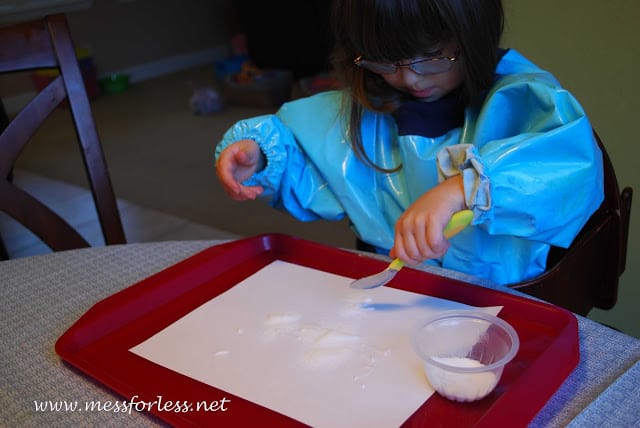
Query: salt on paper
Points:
[301, 342]
[326, 348]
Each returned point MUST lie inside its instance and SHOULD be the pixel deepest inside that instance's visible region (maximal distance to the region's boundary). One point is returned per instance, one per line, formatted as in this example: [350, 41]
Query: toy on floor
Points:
[205, 100]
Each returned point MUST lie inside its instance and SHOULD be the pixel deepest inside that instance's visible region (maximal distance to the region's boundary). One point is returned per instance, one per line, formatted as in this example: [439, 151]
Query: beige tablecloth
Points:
[42, 296]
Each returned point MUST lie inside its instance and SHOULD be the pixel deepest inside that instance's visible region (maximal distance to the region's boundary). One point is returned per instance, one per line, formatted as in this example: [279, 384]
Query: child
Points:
[434, 118]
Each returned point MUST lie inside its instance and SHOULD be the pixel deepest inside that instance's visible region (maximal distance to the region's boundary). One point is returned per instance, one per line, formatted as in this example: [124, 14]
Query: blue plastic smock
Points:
[532, 170]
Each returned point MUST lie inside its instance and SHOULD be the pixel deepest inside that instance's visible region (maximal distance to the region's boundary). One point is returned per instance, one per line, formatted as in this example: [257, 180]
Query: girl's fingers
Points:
[416, 242]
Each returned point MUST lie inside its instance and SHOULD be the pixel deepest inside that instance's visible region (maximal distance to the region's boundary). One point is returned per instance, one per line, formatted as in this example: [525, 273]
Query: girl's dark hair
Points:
[394, 30]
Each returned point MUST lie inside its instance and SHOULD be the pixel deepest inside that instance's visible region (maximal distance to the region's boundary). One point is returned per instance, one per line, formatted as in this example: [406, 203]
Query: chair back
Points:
[47, 43]
[586, 274]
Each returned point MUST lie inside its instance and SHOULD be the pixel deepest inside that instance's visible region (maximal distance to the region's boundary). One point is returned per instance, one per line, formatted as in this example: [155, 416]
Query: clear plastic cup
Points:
[464, 352]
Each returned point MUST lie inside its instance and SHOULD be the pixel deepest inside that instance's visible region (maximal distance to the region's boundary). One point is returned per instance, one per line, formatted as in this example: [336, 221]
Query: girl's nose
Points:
[407, 76]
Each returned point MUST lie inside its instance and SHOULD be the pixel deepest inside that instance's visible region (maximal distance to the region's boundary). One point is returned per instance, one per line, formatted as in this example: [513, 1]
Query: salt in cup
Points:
[464, 352]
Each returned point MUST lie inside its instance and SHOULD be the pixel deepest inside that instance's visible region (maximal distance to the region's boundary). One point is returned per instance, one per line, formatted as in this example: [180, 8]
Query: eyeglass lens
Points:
[427, 66]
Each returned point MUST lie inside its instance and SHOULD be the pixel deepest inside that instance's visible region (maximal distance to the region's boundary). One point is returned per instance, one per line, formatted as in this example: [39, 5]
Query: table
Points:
[42, 296]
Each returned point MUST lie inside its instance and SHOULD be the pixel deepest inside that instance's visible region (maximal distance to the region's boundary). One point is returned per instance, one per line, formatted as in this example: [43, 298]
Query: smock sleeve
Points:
[291, 180]
[530, 162]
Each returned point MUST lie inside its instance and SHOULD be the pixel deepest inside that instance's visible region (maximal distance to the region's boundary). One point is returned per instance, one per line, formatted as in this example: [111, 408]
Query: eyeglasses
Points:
[421, 66]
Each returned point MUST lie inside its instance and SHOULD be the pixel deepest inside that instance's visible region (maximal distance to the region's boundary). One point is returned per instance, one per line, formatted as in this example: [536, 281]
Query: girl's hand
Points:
[237, 163]
[419, 230]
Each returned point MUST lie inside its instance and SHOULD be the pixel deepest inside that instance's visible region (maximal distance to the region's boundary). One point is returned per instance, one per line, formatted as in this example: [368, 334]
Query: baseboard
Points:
[14, 103]
[172, 64]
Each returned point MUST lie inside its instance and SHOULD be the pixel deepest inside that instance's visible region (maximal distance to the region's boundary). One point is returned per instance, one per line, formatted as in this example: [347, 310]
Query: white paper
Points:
[303, 343]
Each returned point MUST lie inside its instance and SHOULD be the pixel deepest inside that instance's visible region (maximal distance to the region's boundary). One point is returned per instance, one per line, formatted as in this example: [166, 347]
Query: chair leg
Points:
[4, 255]
[4, 122]
[4, 118]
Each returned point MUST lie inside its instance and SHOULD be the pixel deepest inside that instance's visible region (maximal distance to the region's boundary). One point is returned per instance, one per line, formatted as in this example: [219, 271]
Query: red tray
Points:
[98, 342]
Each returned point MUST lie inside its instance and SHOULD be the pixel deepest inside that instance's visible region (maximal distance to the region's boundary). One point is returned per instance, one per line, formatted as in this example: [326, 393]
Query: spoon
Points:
[458, 221]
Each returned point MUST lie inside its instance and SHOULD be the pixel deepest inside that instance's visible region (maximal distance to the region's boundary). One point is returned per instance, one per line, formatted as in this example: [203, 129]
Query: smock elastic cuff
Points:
[463, 159]
[266, 136]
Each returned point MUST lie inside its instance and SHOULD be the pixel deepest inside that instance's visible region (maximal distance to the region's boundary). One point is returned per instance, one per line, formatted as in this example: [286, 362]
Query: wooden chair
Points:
[586, 274]
[47, 43]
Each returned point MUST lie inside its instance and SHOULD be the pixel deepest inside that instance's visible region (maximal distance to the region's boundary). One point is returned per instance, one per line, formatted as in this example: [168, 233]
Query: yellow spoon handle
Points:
[458, 221]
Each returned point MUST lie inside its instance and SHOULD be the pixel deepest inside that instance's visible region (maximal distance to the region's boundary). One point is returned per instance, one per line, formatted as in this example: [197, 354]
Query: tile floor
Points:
[75, 204]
